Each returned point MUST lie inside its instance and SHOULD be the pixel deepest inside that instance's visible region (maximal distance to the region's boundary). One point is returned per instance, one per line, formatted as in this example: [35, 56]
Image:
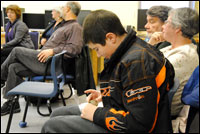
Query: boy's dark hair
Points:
[98, 23]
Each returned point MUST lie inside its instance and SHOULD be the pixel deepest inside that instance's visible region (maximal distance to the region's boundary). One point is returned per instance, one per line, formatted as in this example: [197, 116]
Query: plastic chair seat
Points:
[32, 88]
[40, 78]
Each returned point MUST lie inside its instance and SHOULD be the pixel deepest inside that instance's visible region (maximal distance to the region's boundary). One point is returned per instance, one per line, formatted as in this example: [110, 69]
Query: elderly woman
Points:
[181, 25]
[16, 32]
[53, 26]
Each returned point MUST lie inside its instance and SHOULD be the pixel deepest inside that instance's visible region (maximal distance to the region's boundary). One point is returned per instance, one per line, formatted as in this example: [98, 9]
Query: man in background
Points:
[156, 16]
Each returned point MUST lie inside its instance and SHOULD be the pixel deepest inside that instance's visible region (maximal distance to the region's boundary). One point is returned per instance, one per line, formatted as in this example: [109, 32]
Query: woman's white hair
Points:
[59, 10]
[187, 19]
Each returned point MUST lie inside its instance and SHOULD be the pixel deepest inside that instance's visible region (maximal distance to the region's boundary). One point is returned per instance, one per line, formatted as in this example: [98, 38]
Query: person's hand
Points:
[43, 41]
[156, 38]
[45, 54]
[94, 95]
[88, 111]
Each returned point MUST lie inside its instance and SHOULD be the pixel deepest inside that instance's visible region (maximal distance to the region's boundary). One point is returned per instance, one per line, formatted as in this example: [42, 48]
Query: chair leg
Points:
[61, 95]
[49, 106]
[70, 87]
[23, 123]
[61, 91]
[15, 99]
[38, 108]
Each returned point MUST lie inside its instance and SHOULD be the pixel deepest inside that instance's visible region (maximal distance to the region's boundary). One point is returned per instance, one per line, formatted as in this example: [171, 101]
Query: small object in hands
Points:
[94, 102]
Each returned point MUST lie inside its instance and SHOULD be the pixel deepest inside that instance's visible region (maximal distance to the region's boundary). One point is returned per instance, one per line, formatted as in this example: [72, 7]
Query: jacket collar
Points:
[120, 51]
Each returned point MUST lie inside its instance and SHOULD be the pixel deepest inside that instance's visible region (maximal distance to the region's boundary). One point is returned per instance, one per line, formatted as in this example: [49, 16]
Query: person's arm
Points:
[156, 38]
[190, 95]
[44, 35]
[43, 41]
[20, 30]
[192, 98]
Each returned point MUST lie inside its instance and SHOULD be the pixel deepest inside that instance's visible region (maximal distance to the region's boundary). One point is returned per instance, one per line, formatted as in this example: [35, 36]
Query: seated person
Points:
[53, 26]
[181, 25]
[190, 97]
[132, 89]
[156, 16]
[23, 62]
[17, 34]
[187, 120]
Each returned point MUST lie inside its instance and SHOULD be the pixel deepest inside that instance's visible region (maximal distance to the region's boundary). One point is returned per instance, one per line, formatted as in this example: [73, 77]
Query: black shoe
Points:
[5, 109]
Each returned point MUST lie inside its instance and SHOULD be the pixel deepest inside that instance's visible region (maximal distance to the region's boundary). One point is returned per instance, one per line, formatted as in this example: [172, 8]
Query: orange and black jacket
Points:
[134, 86]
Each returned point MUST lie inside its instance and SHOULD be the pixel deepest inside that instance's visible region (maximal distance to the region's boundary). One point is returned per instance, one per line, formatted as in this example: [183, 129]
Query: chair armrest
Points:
[49, 60]
[56, 55]
[61, 53]
[56, 65]
[65, 52]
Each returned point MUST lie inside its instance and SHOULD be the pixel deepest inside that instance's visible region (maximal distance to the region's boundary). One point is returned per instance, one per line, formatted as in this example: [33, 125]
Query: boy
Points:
[133, 84]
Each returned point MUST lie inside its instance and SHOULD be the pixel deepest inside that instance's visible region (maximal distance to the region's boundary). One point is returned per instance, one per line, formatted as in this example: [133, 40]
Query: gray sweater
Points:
[21, 36]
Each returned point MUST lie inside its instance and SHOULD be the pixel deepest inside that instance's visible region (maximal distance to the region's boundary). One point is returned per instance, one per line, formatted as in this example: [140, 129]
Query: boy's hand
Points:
[88, 111]
[94, 95]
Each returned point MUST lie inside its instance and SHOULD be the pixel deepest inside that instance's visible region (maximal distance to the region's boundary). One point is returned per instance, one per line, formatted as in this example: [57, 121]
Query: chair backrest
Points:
[56, 69]
[35, 38]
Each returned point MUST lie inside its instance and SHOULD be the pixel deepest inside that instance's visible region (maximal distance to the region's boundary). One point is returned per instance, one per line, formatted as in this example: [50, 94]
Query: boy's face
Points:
[105, 51]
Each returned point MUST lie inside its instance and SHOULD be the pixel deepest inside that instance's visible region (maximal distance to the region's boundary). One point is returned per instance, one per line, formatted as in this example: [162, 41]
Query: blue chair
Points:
[69, 80]
[35, 36]
[38, 89]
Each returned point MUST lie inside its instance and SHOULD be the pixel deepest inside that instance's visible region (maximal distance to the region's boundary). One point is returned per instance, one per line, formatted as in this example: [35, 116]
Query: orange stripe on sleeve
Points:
[160, 78]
